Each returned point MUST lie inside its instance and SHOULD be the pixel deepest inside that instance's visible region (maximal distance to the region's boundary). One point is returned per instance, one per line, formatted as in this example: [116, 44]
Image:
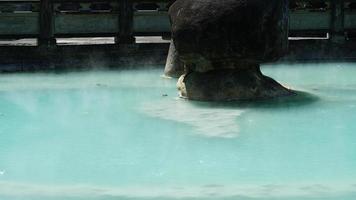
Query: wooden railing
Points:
[124, 19]
[48, 19]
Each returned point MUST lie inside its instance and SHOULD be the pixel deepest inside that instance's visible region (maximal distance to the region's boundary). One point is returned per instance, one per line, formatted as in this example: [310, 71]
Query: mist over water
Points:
[126, 135]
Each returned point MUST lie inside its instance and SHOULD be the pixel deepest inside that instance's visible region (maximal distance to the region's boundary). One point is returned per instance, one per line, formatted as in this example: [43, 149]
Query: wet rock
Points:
[230, 85]
[222, 43]
[205, 31]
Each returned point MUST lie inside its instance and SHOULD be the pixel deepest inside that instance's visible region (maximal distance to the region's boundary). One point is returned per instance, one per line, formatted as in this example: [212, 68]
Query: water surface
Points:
[126, 135]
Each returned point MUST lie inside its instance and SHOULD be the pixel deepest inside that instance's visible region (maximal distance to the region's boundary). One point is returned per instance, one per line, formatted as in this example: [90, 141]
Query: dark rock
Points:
[169, 3]
[222, 42]
[206, 31]
[230, 85]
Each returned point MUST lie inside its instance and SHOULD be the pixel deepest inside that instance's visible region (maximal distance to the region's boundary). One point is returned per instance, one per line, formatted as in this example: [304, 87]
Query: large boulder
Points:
[174, 66]
[222, 43]
[230, 85]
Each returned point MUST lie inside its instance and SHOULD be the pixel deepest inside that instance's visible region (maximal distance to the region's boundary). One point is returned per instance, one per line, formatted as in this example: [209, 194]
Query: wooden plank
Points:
[126, 15]
[350, 20]
[46, 37]
[19, 24]
[130, 22]
[309, 20]
[151, 22]
[337, 21]
[93, 23]
[18, 1]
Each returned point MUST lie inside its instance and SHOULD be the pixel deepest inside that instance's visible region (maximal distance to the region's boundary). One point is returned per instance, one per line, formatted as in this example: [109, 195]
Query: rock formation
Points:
[222, 43]
[174, 66]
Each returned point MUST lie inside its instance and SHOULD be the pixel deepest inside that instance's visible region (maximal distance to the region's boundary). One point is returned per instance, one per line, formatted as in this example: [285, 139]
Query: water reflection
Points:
[219, 119]
[207, 121]
[300, 98]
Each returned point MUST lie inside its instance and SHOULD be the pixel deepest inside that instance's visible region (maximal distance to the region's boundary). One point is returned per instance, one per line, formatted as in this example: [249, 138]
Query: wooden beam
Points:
[337, 21]
[46, 36]
[126, 16]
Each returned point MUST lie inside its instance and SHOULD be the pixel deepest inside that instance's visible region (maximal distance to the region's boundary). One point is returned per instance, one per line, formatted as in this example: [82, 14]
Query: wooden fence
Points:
[124, 19]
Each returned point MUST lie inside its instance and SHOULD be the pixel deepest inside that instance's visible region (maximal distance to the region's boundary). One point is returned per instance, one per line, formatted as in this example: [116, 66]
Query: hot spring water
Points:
[126, 135]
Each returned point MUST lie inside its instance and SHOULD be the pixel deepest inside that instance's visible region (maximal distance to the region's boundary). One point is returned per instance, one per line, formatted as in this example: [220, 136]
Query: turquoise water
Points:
[126, 135]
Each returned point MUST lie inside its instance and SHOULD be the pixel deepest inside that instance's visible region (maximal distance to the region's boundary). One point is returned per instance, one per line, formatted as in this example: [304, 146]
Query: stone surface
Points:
[230, 85]
[174, 66]
[222, 43]
[206, 32]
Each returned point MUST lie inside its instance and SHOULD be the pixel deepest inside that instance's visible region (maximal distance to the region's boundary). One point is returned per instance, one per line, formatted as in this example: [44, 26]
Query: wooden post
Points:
[126, 16]
[337, 21]
[46, 37]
